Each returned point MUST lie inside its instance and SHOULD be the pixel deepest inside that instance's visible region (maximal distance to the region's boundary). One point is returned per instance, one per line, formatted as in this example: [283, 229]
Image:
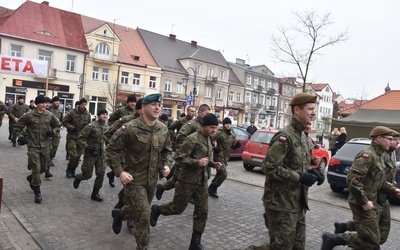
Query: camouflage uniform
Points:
[75, 121]
[177, 125]
[56, 138]
[120, 113]
[285, 198]
[225, 141]
[37, 125]
[192, 180]
[117, 125]
[366, 181]
[16, 111]
[92, 135]
[146, 149]
[3, 111]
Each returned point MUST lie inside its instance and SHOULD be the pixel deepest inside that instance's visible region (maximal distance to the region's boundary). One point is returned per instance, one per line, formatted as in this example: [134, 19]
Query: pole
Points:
[194, 87]
[47, 78]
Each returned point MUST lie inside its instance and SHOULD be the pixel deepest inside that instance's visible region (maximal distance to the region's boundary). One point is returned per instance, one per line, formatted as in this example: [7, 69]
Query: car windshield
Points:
[261, 137]
[240, 134]
[349, 150]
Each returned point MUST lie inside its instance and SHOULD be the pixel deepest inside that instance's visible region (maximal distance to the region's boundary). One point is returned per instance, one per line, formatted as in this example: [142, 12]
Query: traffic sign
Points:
[189, 98]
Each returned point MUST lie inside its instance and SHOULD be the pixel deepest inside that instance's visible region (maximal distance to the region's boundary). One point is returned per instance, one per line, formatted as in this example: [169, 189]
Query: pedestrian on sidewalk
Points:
[75, 121]
[92, 140]
[332, 141]
[41, 125]
[146, 143]
[194, 156]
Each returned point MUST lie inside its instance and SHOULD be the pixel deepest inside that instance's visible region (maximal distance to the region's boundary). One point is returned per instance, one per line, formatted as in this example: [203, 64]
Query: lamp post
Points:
[186, 79]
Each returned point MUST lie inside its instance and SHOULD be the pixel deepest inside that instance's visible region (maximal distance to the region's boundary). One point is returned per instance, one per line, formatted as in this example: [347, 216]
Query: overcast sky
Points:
[243, 29]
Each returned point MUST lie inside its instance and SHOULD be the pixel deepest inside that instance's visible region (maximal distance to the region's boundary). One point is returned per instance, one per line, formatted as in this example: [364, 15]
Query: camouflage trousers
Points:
[384, 222]
[37, 160]
[137, 201]
[55, 141]
[183, 192]
[220, 176]
[367, 235]
[75, 150]
[287, 231]
[91, 161]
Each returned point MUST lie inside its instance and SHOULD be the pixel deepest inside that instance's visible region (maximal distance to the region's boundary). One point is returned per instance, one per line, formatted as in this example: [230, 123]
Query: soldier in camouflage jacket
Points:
[129, 109]
[14, 113]
[55, 109]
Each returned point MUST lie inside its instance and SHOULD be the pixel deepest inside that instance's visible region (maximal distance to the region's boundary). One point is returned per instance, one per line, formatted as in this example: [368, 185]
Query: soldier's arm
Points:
[3, 109]
[11, 112]
[83, 136]
[20, 125]
[185, 131]
[356, 176]
[55, 124]
[273, 163]
[166, 153]
[113, 117]
[115, 149]
[67, 121]
[184, 155]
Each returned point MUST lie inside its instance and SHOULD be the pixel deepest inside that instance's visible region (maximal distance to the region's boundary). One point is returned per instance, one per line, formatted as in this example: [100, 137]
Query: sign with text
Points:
[23, 66]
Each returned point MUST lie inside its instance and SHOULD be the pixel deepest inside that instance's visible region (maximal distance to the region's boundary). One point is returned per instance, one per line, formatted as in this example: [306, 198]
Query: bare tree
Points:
[111, 95]
[360, 97]
[312, 27]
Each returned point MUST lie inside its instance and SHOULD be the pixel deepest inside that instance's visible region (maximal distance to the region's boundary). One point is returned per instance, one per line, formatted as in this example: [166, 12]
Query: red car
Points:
[257, 147]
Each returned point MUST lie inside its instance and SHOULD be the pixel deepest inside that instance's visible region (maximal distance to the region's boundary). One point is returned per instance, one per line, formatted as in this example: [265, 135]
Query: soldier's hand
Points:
[74, 129]
[50, 133]
[165, 171]
[217, 165]
[22, 141]
[368, 206]
[397, 192]
[307, 179]
[319, 174]
[125, 178]
[316, 160]
[91, 149]
[203, 162]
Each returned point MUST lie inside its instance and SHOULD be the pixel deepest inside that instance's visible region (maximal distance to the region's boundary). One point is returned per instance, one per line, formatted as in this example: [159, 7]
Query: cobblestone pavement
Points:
[69, 219]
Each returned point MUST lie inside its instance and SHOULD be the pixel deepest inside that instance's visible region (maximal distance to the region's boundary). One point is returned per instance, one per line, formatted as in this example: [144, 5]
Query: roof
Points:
[387, 101]
[233, 79]
[131, 44]
[44, 24]
[4, 11]
[167, 51]
[319, 86]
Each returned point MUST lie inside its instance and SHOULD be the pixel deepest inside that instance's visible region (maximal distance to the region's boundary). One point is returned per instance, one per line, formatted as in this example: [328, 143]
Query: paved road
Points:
[68, 219]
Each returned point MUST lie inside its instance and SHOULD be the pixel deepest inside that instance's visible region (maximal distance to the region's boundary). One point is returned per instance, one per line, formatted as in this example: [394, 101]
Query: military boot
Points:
[155, 213]
[38, 196]
[76, 182]
[329, 241]
[47, 173]
[340, 227]
[117, 220]
[111, 176]
[67, 157]
[212, 190]
[129, 224]
[68, 173]
[29, 179]
[73, 174]
[14, 144]
[51, 163]
[195, 242]
[9, 137]
[95, 194]
[159, 192]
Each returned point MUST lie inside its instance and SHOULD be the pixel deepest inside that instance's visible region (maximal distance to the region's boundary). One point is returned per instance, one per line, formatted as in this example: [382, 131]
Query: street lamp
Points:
[185, 82]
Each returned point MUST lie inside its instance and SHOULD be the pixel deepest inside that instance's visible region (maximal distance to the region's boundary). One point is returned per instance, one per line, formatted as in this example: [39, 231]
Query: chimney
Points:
[193, 43]
[45, 3]
[240, 61]
[172, 37]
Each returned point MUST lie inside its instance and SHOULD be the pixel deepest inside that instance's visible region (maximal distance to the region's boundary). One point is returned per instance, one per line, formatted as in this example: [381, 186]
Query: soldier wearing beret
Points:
[55, 109]
[366, 181]
[40, 126]
[288, 173]
[194, 156]
[75, 121]
[129, 109]
[146, 144]
[92, 140]
[15, 113]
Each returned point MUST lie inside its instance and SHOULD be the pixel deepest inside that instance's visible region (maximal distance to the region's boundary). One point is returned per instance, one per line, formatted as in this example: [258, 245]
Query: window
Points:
[103, 48]
[71, 63]
[210, 72]
[179, 87]
[274, 102]
[262, 99]
[263, 83]
[45, 55]
[168, 85]
[124, 77]
[248, 95]
[197, 90]
[104, 76]
[269, 85]
[16, 50]
[198, 69]
[208, 92]
[219, 94]
[230, 97]
[95, 73]
[254, 99]
[221, 74]
[136, 79]
[238, 97]
[248, 80]
[276, 86]
[153, 82]
[255, 81]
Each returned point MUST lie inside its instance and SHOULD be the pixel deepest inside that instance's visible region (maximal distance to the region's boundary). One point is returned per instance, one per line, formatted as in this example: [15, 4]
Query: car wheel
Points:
[322, 165]
[248, 167]
[337, 189]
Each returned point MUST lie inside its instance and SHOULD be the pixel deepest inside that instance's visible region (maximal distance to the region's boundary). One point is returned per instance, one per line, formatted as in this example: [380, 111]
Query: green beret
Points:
[381, 130]
[303, 98]
[152, 98]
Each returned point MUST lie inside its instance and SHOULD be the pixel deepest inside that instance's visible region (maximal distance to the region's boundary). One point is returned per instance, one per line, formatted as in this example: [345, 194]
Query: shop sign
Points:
[23, 66]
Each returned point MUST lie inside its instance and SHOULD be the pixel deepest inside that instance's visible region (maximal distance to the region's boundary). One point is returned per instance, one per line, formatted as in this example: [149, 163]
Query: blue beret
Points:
[152, 98]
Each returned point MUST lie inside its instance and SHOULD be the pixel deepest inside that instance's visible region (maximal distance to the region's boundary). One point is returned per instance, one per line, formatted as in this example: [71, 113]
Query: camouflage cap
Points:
[303, 98]
[152, 98]
[395, 133]
[380, 130]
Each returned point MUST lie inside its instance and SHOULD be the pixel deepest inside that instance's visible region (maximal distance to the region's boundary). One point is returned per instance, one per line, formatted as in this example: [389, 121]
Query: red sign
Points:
[23, 66]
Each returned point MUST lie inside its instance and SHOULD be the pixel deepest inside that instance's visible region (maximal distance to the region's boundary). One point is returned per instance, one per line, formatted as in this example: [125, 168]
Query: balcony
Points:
[258, 88]
[103, 58]
[236, 105]
[256, 106]
[174, 95]
[52, 74]
[211, 79]
[271, 91]
[271, 108]
[131, 88]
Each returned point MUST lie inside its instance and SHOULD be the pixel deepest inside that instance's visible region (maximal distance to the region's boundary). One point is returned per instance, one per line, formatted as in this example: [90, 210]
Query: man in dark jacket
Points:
[251, 129]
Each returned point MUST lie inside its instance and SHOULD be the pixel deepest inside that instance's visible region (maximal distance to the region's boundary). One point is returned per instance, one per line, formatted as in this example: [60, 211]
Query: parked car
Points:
[257, 147]
[340, 163]
[243, 137]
